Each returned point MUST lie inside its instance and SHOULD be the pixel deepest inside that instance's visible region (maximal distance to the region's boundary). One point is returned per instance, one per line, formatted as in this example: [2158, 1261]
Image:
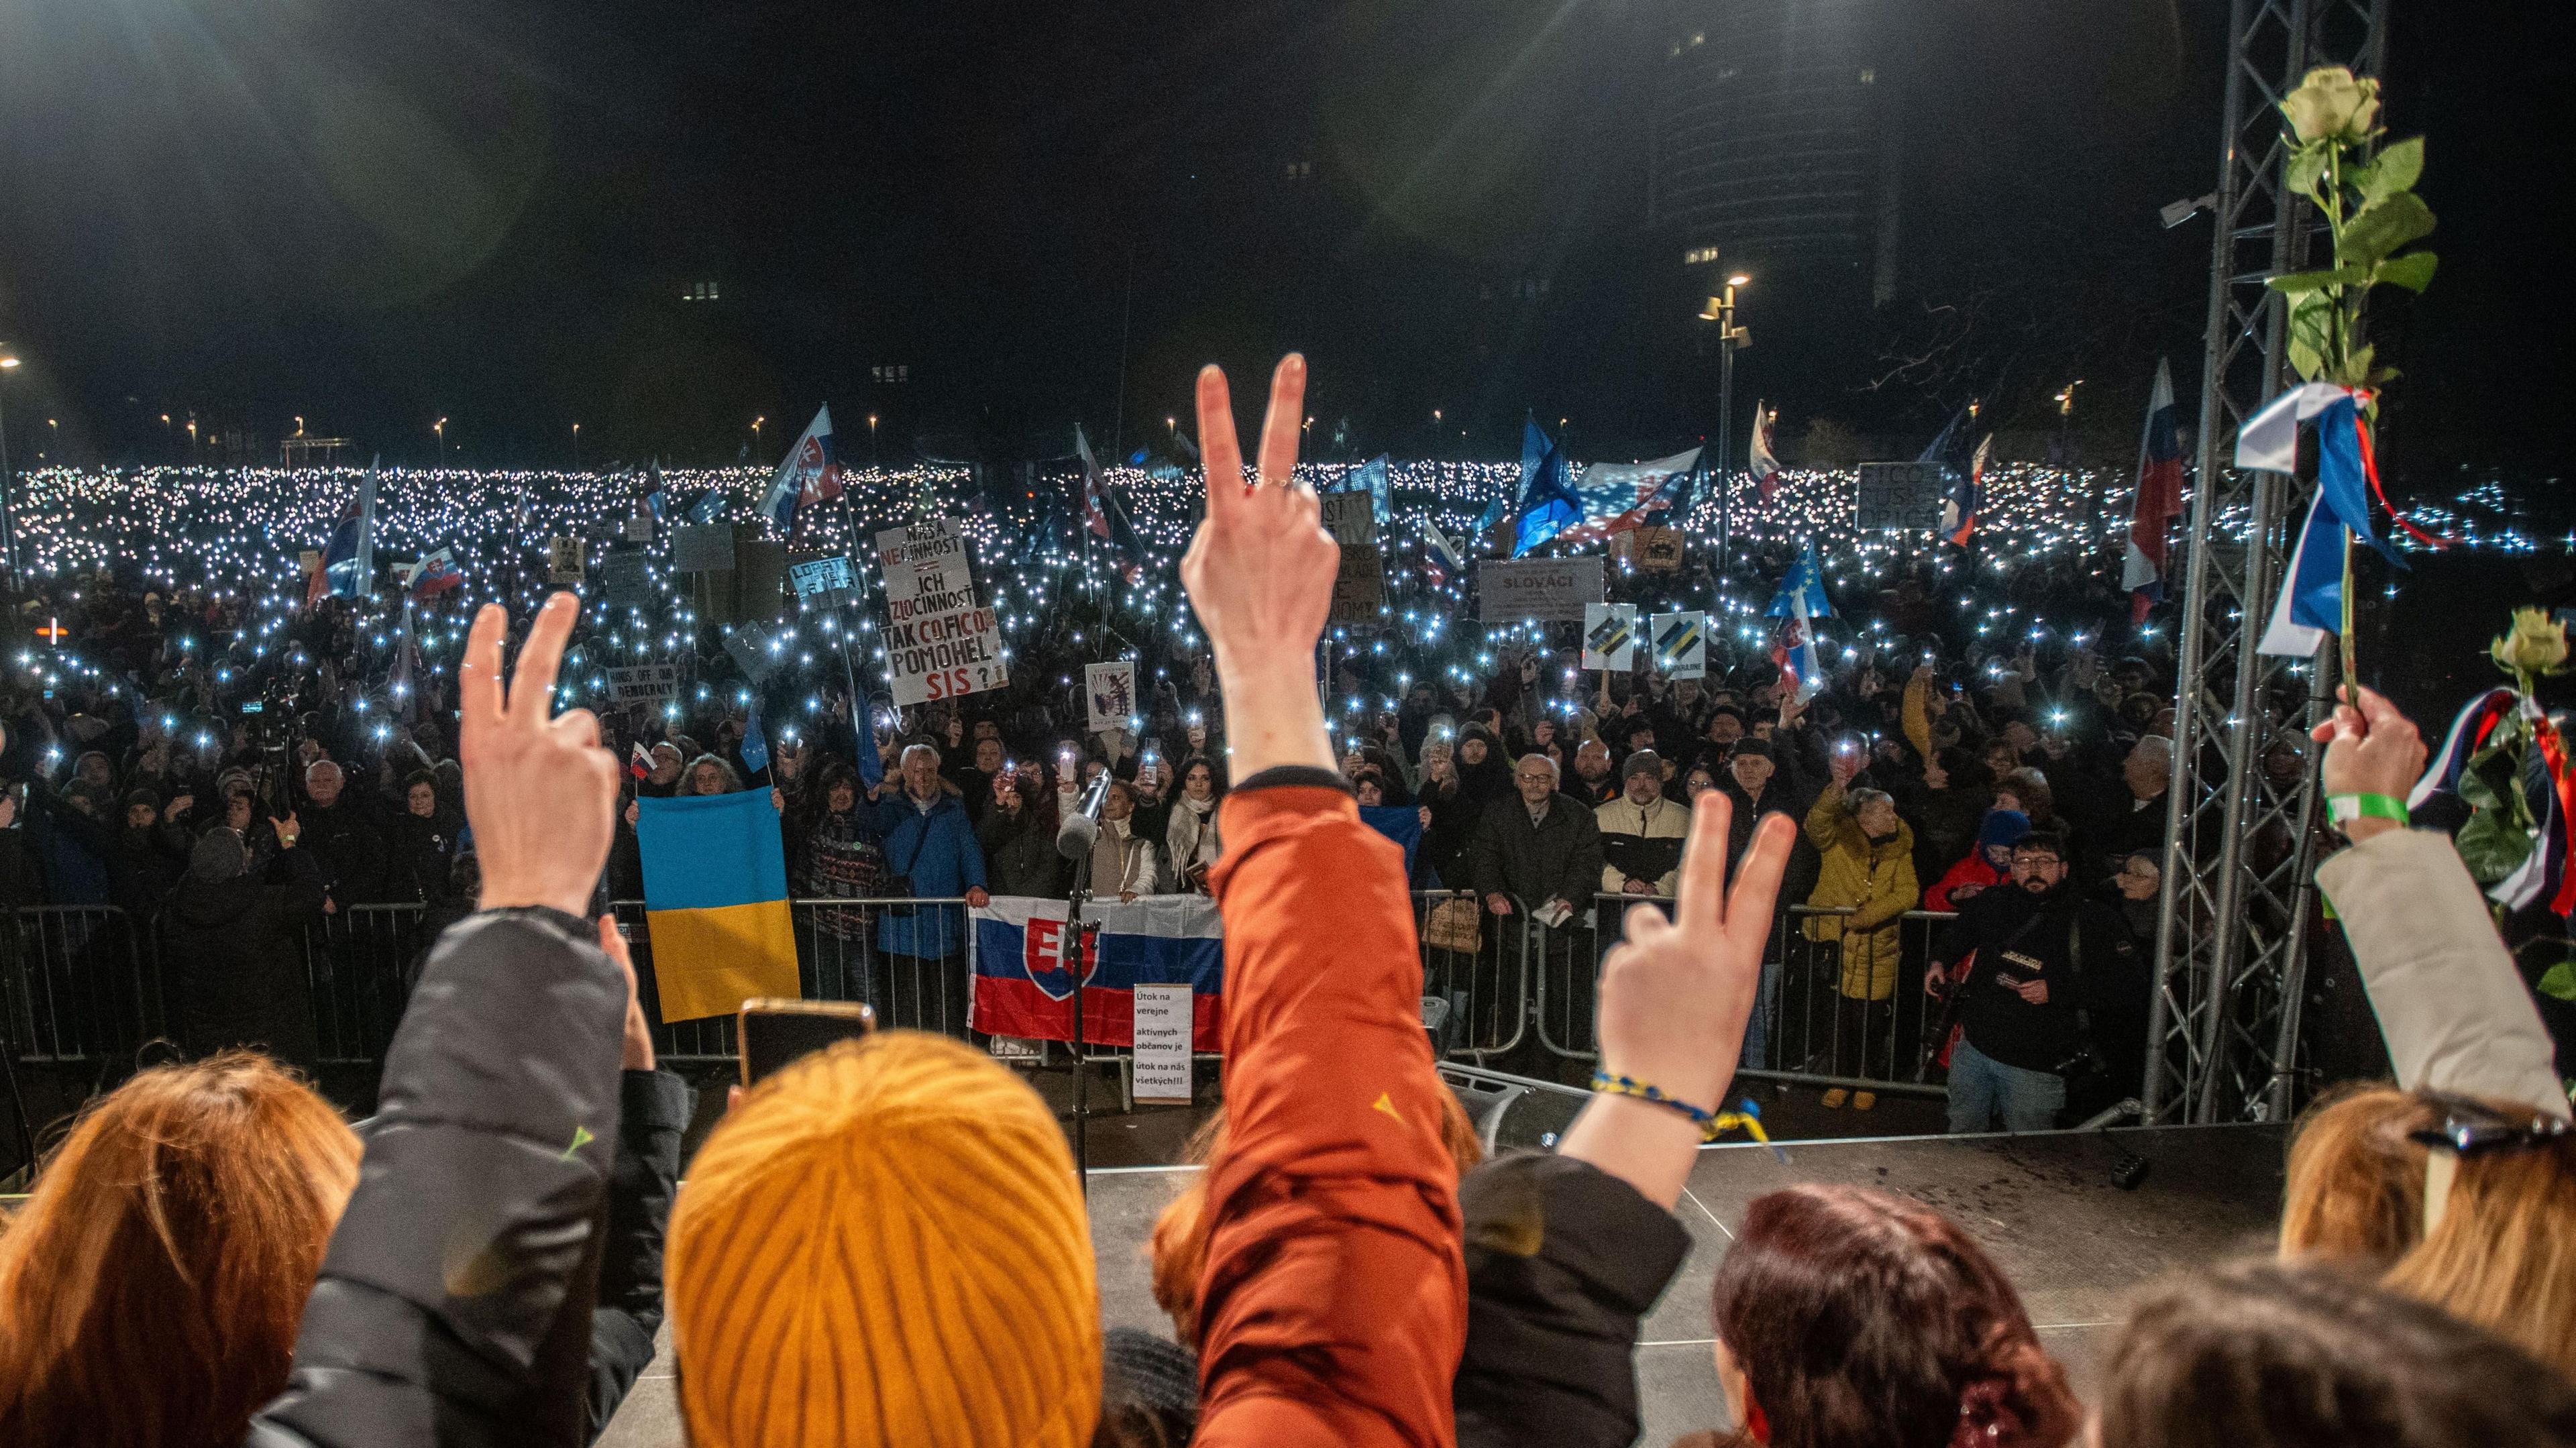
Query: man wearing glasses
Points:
[1539, 847]
[2024, 968]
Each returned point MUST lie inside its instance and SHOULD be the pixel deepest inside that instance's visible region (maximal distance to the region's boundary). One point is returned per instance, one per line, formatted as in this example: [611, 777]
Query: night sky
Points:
[377, 215]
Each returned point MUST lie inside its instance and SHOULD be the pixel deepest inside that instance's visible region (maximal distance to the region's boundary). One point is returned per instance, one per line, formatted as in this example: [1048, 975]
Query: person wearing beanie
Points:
[1641, 832]
[884, 1243]
[233, 944]
[1989, 864]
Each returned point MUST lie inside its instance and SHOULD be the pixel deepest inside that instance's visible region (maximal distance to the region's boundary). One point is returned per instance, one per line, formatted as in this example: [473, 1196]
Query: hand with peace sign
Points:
[1260, 577]
[539, 791]
[1675, 995]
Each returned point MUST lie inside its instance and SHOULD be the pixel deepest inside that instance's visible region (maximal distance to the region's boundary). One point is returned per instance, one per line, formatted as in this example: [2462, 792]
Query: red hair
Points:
[1864, 1320]
[151, 1288]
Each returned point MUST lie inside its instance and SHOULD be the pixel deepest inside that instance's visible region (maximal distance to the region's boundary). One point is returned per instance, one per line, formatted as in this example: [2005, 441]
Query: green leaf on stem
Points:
[2396, 169]
[2413, 271]
[2301, 283]
[2559, 981]
[2378, 229]
[2491, 846]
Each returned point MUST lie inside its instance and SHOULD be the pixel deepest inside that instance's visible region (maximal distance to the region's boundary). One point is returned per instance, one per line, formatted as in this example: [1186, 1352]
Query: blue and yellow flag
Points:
[715, 901]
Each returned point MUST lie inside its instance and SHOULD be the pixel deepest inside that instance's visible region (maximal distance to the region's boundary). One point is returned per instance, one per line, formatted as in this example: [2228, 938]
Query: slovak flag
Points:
[2311, 601]
[808, 475]
[1799, 603]
[1439, 551]
[1764, 466]
[639, 765]
[2159, 498]
[1101, 513]
[1959, 510]
[435, 574]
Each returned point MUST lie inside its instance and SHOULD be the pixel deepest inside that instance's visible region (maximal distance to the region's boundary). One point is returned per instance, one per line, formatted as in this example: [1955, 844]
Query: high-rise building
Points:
[1774, 136]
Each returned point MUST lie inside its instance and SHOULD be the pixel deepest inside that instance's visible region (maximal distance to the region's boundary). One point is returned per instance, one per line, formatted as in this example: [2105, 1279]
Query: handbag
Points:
[899, 884]
[1455, 925]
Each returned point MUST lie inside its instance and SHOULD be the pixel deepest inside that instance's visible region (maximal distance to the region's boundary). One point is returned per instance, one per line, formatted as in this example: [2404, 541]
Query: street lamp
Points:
[872, 439]
[440, 427]
[755, 431]
[576, 445]
[1721, 310]
[8, 524]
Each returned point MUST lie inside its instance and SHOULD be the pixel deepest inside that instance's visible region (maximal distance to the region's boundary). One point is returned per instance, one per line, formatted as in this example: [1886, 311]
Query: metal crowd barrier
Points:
[1818, 1023]
[75, 984]
[84, 984]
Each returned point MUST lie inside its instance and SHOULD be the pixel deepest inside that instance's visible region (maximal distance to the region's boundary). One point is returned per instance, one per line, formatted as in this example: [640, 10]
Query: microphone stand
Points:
[1079, 935]
[1077, 846]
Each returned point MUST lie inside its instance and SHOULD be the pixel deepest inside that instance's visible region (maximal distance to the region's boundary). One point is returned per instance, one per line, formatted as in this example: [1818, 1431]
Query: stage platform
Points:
[2044, 1205]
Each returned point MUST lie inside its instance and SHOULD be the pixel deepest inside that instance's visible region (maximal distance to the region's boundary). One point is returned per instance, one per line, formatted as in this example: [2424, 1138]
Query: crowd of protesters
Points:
[1944, 736]
[885, 1241]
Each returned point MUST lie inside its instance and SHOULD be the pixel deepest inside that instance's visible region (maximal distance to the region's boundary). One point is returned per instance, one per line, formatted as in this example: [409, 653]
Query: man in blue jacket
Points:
[931, 853]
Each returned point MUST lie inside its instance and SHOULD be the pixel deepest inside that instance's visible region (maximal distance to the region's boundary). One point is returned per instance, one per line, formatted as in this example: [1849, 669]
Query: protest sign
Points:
[824, 580]
[939, 643]
[702, 548]
[564, 561]
[1549, 590]
[1901, 496]
[1610, 636]
[644, 683]
[628, 580]
[1680, 643]
[1109, 692]
[1162, 1040]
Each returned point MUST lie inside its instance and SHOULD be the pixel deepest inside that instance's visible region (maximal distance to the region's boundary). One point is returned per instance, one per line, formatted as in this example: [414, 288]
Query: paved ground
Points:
[2044, 1205]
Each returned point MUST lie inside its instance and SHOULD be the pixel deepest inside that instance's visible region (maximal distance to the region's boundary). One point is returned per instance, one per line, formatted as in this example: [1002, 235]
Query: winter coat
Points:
[1190, 842]
[2451, 1004]
[1533, 864]
[1629, 834]
[1876, 880]
[510, 1046]
[643, 1178]
[1332, 1307]
[936, 851]
[348, 850]
[1020, 852]
[419, 854]
[1125, 864]
[1563, 1260]
[233, 951]
[1975, 870]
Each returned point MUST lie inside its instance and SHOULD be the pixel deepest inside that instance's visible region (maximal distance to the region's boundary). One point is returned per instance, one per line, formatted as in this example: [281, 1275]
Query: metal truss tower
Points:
[2231, 946]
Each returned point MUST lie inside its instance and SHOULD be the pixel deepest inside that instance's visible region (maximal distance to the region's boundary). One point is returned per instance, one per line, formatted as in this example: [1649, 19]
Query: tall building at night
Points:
[1775, 136]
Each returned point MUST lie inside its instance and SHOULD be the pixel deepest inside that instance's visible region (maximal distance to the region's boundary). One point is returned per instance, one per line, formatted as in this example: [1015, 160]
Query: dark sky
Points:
[377, 215]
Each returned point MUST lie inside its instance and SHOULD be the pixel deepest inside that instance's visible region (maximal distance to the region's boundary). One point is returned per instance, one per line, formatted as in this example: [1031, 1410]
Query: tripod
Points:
[9, 1048]
[1081, 938]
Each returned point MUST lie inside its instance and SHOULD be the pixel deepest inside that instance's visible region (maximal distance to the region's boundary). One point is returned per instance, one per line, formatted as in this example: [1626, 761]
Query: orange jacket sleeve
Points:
[1333, 1308]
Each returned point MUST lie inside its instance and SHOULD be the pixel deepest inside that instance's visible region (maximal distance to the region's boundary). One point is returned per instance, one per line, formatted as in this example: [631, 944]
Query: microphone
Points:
[1081, 829]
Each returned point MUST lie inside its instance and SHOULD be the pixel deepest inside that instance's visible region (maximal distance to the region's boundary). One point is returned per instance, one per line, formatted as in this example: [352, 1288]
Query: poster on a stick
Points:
[939, 642]
[1680, 642]
[1109, 691]
[1610, 636]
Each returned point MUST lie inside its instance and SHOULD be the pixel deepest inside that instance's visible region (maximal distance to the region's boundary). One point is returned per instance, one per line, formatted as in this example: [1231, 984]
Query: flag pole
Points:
[863, 732]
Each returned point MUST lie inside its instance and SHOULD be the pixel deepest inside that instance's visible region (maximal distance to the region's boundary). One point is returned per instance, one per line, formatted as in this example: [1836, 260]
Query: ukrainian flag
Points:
[715, 902]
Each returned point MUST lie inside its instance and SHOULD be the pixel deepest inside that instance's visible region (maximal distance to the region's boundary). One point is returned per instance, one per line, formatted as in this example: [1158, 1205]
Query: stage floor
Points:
[2044, 1205]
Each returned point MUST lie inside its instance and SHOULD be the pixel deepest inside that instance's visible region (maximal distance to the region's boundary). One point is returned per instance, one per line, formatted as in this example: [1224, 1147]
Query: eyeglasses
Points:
[1538, 779]
[2470, 1127]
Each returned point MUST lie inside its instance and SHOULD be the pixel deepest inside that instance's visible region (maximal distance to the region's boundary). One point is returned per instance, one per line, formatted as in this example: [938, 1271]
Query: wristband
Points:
[2345, 808]
[1603, 1081]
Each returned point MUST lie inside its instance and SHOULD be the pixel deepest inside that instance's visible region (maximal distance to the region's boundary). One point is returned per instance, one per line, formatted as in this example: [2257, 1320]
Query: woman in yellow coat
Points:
[1868, 856]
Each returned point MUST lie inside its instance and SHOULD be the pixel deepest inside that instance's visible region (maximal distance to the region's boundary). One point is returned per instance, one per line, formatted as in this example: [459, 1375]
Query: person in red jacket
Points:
[1989, 864]
[1333, 1306]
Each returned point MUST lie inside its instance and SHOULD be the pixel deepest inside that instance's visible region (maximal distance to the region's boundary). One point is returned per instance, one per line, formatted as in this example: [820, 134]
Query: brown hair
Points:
[2283, 1355]
[2038, 801]
[2356, 1184]
[2504, 1255]
[151, 1288]
[1864, 1320]
[1178, 1246]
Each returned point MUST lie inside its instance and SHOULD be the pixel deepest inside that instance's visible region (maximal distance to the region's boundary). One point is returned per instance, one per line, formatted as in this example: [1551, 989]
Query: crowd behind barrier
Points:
[85, 985]
[885, 1241]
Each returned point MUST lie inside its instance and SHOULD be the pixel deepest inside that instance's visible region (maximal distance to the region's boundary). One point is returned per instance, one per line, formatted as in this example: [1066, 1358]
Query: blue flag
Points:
[755, 743]
[1548, 505]
[349, 560]
[1400, 823]
[708, 508]
[1370, 478]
